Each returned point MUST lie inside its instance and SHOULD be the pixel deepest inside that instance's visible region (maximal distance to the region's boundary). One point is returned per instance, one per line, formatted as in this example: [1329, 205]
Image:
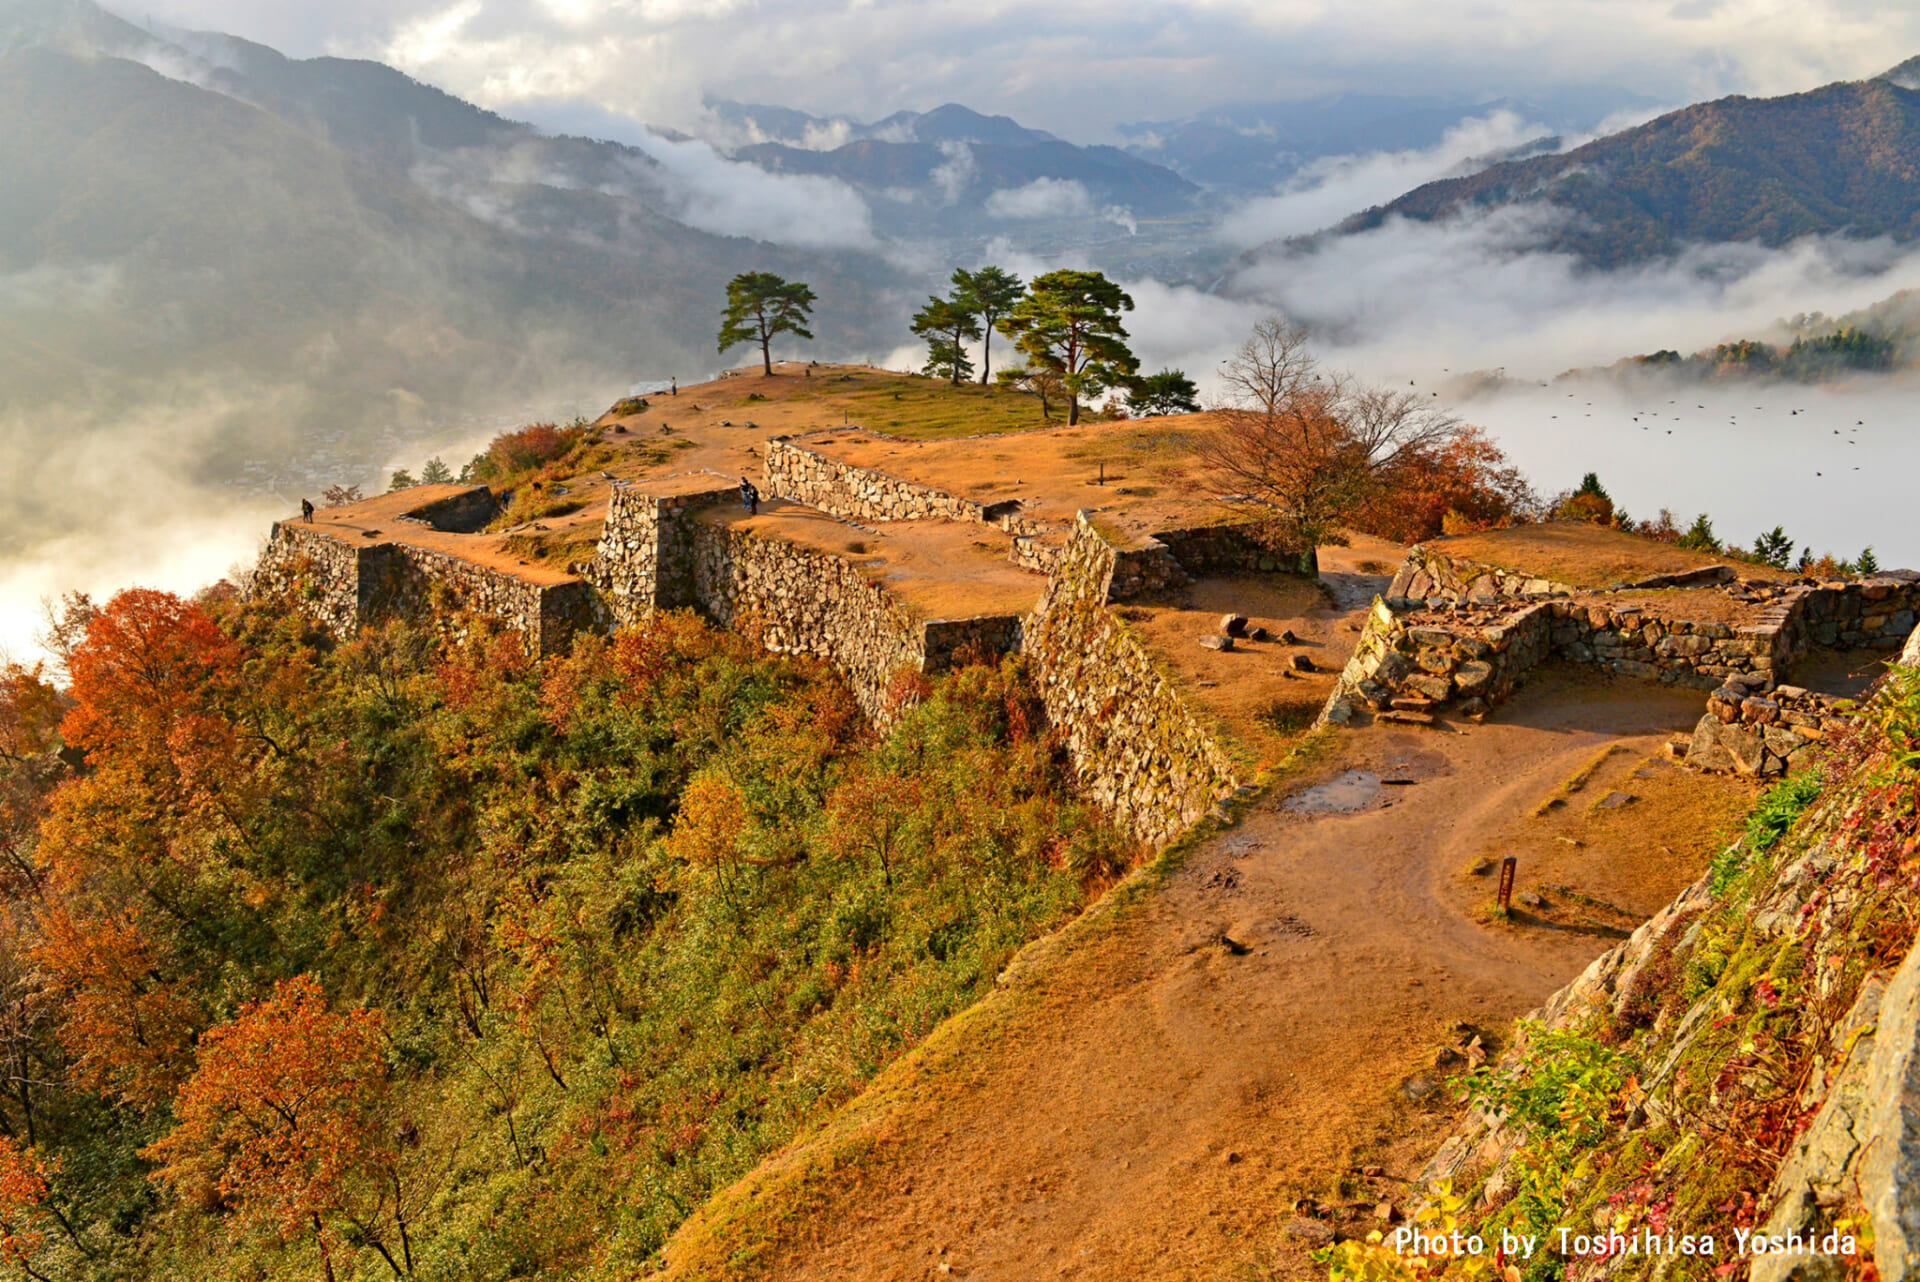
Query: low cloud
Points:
[1054, 198]
[1327, 190]
[1041, 198]
[699, 186]
[708, 191]
[953, 175]
[1482, 291]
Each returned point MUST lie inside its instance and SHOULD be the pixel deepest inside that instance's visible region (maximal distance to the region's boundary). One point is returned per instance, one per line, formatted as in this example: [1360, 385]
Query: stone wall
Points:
[1172, 558]
[464, 513]
[1415, 665]
[863, 494]
[805, 601]
[1474, 657]
[644, 561]
[1756, 730]
[345, 588]
[322, 575]
[1138, 748]
[1433, 578]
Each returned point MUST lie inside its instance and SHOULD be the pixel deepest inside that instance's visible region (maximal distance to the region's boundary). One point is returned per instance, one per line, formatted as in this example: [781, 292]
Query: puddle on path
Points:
[1341, 795]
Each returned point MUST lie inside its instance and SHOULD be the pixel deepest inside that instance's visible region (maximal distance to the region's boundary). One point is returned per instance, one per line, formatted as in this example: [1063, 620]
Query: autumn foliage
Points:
[23, 1188]
[279, 1120]
[413, 957]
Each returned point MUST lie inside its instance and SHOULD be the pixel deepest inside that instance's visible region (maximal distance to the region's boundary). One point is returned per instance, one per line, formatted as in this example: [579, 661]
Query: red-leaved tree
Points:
[282, 1122]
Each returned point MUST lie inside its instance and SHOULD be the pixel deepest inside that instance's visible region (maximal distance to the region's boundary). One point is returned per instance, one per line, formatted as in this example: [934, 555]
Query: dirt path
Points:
[1158, 1107]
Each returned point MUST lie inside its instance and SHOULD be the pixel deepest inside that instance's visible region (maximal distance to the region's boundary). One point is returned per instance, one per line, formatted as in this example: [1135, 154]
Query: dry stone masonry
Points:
[1457, 633]
[1137, 745]
[345, 588]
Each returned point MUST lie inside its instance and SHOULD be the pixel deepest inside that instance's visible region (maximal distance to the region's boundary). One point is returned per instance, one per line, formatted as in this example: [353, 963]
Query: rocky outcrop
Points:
[1138, 747]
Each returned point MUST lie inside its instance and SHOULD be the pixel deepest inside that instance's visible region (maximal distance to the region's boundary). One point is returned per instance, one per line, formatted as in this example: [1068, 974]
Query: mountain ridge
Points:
[1831, 160]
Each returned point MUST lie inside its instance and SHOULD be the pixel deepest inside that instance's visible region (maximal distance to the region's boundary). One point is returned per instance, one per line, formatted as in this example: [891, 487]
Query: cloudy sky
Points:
[1077, 67]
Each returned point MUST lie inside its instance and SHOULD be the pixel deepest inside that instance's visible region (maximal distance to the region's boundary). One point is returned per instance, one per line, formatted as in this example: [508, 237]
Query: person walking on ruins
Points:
[306, 511]
[749, 497]
[673, 386]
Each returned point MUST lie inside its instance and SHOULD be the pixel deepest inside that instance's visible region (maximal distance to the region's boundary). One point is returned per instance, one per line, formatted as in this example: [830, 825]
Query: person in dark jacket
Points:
[306, 511]
[749, 497]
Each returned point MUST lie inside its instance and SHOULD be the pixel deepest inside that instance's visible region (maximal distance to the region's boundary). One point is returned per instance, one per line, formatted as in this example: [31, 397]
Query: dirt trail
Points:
[1159, 1105]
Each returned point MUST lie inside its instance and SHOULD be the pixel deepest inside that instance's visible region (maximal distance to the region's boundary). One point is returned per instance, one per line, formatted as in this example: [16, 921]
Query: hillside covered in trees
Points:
[397, 958]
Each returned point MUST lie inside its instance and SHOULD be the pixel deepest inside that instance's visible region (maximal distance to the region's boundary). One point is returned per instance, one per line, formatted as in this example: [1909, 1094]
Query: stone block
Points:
[1435, 688]
[1745, 746]
[1473, 676]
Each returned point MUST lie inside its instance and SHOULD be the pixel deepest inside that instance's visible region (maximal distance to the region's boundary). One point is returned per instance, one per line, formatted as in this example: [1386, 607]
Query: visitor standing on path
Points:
[749, 497]
[306, 511]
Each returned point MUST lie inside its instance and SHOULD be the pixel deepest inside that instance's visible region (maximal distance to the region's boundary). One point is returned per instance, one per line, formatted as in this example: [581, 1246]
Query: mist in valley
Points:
[409, 275]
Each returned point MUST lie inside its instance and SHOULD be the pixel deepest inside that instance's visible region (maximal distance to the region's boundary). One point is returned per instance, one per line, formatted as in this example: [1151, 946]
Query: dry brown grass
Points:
[1248, 691]
[1583, 555]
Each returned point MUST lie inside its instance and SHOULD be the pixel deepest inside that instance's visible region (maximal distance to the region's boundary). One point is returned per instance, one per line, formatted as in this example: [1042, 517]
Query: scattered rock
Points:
[1312, 1232]
[1300, 663]
[1217, 642]
[1416, 1089]
[1447, 1057]
[1233, 625]
[1259, 634]
[1230, 1158]
[1531, 900]
[1385, 1211]
[1287, 638]
[1238, 938]
[1614, 800]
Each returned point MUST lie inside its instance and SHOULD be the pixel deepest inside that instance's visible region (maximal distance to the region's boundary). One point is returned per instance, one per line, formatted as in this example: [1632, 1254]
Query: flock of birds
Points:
[1851, 434]
[1732, 420]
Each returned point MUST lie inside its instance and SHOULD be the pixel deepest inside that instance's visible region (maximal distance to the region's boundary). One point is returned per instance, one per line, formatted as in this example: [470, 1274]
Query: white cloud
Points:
[954, 175]
[1481, 291]
[708, 191]
[1058, 67]
[1041, 198]
[1327, 190]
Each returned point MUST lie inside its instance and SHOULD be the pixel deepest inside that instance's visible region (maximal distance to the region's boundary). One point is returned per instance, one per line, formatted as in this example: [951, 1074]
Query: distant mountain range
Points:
[1839, 160]
[333, 250]
[953, 167]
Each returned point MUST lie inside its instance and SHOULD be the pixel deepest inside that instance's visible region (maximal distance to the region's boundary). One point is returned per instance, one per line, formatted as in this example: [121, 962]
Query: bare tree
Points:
[1312, 445]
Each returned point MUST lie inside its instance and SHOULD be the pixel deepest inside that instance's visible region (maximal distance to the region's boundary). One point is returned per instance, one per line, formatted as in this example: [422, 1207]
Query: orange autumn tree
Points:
[148, 659]
[129, 1029]
[23, 1190]
[281, 1122]
[1464, 482]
